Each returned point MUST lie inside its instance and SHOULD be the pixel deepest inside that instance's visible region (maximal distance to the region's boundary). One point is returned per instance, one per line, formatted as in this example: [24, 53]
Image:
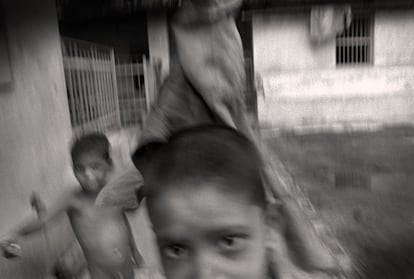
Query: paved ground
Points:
[362, 185]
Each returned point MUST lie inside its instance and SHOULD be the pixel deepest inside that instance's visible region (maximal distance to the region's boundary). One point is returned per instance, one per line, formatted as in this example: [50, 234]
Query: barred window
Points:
[355, 45]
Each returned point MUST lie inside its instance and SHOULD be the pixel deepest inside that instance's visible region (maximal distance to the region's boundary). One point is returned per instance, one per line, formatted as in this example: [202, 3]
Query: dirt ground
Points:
[361, 184]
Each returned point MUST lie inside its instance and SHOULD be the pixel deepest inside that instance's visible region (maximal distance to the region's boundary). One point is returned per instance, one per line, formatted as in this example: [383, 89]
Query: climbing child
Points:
[103, 232]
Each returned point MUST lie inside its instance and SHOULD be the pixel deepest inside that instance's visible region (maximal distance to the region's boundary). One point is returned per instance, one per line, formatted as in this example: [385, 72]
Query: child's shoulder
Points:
[74, 194]
[75, 199]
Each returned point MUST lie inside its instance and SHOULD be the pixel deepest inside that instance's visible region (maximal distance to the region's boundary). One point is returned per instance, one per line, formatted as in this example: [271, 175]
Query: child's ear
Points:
[143, 155]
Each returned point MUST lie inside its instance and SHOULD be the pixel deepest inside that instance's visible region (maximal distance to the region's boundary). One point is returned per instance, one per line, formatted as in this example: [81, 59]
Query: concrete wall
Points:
[34, 116]
[158, 40]
[342, 96]
[34, 123]
[281, 43]
[303, 87]
[393, 33]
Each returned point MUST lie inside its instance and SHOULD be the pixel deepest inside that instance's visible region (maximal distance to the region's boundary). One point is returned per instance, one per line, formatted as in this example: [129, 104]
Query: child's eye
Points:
[175, 252]
[232, 242]
[95, 166]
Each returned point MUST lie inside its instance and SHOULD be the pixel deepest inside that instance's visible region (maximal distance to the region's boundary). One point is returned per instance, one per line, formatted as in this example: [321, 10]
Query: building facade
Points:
[363, 76]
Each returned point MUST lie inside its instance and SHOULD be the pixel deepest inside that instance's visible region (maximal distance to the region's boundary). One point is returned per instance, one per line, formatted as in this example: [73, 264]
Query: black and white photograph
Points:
[206, 139]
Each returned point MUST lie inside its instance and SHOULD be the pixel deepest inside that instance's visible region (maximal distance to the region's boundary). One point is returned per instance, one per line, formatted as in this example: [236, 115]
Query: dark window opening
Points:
[354, 46]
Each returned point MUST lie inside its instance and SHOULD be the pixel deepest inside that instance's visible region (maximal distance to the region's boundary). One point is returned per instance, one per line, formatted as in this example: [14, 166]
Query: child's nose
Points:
[88, 173]
[205, 267]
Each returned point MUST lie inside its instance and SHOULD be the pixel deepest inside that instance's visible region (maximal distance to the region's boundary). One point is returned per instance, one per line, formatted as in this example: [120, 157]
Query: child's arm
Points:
[63, 204]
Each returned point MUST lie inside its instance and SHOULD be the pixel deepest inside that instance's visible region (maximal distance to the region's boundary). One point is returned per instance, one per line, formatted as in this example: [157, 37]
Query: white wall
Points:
[35, 127]
[302, 86]
[331, 97]
[393, 38]
[281, 43]
[34, 115]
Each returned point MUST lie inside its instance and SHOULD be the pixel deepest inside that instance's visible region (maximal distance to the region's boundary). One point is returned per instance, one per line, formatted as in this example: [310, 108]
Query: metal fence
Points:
[137, 86]
[91, 86]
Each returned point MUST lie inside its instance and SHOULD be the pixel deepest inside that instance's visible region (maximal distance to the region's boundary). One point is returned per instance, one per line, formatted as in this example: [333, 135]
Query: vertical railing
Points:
[91, 86]
[355, 44]
[137, 87]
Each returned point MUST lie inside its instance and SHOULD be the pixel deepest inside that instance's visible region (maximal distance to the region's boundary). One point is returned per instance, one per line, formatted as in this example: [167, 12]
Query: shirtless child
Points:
[103, 232]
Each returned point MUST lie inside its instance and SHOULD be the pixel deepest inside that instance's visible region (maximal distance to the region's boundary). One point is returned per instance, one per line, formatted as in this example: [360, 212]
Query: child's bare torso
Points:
[101, 231]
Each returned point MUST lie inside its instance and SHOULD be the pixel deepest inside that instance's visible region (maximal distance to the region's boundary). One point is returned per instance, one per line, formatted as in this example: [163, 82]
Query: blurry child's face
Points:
[205, 233]
[92, 171]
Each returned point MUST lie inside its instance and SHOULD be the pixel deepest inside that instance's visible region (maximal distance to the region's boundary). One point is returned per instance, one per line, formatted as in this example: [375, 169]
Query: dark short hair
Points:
[206, 152]
[96, 143]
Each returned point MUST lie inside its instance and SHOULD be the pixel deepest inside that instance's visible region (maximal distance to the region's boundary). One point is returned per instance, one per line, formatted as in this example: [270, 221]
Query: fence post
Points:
[148, 94]
[115, 88]
[97, 90]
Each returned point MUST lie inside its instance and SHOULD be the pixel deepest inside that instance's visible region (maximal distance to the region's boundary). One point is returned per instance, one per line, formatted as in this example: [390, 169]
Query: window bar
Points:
[351, 47]
[359, 40]
[371, 40]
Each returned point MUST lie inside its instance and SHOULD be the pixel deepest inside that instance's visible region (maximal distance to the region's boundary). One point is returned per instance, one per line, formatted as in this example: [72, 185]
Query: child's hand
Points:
[10, 247]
